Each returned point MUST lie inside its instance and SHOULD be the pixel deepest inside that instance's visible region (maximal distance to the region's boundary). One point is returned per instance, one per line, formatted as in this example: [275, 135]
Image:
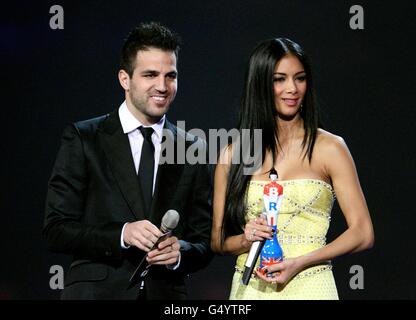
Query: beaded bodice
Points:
[304, 216]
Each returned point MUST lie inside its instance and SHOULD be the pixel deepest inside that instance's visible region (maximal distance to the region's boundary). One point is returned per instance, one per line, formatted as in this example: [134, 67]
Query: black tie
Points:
[146, 168]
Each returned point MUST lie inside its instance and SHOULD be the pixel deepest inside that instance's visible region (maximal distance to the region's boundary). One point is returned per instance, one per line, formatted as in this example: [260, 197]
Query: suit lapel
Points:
[118, 152]
[117, 149]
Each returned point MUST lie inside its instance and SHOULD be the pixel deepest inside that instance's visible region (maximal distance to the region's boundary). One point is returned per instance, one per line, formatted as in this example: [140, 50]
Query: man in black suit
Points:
[108, 192]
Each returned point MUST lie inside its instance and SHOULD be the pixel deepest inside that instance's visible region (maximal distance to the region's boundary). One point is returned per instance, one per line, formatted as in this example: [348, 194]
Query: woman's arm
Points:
[339, 166]
[241, 243]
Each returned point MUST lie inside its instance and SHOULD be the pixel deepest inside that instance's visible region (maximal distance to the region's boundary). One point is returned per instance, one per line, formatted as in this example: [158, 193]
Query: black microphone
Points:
[169, 222]
[251, 260]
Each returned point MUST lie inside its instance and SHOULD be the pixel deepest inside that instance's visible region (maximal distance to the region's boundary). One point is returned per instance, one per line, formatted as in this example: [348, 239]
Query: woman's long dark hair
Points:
[258, 111]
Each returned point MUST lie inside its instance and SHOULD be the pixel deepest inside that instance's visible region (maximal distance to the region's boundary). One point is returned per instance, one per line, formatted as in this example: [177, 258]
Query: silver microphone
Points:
[252, 257]
[169, 222]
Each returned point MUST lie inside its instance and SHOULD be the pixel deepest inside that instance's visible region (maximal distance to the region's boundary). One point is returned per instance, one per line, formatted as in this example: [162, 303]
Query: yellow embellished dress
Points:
[303, 222]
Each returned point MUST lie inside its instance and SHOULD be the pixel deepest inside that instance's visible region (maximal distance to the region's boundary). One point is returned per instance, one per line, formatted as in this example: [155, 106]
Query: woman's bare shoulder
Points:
[330, 145]
[225, 155]
[327, 139]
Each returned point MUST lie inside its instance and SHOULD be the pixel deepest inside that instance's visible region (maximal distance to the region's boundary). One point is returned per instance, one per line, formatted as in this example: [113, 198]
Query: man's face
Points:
[152, 88]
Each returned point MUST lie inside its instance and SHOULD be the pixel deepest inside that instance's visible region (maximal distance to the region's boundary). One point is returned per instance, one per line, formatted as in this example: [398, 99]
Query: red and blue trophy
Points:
[272, 197]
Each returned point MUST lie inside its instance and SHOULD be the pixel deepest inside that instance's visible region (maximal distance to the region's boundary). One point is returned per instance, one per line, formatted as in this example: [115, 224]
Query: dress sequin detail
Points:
[303, 223]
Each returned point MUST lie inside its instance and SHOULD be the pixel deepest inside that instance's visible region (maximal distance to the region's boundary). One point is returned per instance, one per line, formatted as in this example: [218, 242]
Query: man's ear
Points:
[124, 78]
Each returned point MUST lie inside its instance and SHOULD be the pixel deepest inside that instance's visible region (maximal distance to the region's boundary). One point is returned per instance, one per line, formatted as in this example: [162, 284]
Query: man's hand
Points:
[166, 253]
[141, 234]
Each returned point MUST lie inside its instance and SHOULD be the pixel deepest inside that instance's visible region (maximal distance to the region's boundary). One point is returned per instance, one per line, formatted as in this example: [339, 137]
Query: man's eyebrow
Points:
[149, 72]
[154, 72]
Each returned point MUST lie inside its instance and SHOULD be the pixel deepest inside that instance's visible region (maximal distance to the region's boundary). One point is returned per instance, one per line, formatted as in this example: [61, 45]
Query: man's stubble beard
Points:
[142, 106]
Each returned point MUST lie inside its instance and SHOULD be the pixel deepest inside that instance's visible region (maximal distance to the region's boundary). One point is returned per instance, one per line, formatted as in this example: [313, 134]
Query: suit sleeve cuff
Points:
[122, 244]
[175, 266]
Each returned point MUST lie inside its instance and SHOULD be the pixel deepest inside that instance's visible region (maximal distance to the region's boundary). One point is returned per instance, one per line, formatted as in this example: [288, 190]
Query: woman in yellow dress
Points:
[314, 166]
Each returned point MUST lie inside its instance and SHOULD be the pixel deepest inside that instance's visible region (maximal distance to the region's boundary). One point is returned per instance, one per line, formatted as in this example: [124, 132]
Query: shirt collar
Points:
[130, 123]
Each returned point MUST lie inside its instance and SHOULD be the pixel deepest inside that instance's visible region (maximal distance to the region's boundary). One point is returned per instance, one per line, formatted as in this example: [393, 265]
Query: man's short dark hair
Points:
[143, 37]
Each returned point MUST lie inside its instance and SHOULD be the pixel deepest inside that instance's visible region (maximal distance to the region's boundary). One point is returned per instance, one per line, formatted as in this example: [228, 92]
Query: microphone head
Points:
[169, 221]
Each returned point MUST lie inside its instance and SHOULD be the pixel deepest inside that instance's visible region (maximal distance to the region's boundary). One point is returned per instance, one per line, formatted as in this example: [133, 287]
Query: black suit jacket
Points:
[94, 190]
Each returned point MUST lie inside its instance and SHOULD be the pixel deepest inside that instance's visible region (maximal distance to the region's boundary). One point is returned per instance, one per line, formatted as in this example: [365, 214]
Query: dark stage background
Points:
[364, 81]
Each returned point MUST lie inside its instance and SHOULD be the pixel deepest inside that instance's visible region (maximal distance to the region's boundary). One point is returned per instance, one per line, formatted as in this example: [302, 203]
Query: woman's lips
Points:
[291, 102]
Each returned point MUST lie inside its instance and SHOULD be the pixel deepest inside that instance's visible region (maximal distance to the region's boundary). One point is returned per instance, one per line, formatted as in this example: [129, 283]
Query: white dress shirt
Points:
[130, 126]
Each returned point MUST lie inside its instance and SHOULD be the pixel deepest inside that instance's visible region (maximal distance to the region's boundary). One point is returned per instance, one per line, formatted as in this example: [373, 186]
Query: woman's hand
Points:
[281, 272]
[257, 229]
